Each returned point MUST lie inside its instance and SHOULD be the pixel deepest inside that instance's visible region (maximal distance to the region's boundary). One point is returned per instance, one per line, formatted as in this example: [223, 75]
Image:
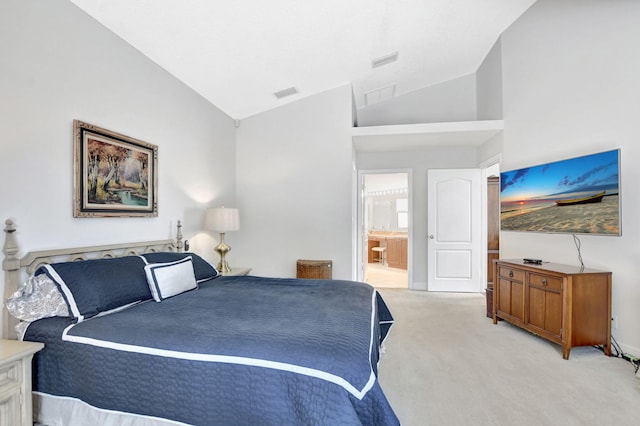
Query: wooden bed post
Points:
[11, 267]
[179, 242]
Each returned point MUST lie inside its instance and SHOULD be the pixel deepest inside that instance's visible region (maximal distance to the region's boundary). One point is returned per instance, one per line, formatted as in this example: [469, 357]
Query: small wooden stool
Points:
[381, 253]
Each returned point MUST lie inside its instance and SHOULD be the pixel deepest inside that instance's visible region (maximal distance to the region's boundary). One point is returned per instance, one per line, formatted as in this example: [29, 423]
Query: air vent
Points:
[374, 96]
[384, 60]
[289, 91]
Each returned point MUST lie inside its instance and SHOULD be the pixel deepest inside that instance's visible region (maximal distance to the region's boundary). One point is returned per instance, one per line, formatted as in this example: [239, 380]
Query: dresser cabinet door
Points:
[510, 290]
[545, 311]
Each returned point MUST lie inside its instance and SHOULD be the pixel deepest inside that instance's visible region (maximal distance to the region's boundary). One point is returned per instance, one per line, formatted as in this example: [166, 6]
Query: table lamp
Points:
[222, 219]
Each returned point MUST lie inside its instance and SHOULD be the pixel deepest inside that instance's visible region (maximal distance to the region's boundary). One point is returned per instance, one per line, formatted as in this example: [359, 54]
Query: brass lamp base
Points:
[222, 250]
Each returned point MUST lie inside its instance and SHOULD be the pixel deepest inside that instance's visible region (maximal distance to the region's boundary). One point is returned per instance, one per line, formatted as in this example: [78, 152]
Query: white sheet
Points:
[54, 410]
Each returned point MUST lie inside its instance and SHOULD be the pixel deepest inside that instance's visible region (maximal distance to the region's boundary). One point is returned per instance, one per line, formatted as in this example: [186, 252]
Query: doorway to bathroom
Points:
[385, 225]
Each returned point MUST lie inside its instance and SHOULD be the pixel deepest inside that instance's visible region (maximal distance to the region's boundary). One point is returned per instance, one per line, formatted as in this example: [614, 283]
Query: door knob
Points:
[431, 236]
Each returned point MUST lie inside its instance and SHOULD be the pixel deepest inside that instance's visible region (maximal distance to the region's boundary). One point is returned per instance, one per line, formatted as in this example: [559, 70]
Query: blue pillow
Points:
[94, 286]
[203, 269]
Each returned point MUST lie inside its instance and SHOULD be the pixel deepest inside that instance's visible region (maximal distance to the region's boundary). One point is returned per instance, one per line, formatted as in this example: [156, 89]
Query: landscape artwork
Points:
[115, 175]
[576, 196]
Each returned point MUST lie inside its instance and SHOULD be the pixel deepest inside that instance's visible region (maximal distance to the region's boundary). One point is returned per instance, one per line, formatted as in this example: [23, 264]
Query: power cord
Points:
[617, 352]
[634, 360]
[578, 243]
[615, 347]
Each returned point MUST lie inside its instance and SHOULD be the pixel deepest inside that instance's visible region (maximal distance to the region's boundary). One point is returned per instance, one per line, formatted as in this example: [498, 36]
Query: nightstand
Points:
[237, 271]
[15, 381]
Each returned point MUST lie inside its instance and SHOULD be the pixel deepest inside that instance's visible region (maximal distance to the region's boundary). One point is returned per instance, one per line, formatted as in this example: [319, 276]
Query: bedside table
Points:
[15, 381]
[235, 272]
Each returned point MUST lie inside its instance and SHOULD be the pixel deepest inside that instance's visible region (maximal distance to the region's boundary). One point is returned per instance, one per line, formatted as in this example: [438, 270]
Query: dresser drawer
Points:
[9, 375]
[545, 281]
[510, 273]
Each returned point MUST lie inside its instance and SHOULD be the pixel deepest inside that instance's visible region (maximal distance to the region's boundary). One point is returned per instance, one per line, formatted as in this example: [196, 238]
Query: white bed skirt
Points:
[53, 410]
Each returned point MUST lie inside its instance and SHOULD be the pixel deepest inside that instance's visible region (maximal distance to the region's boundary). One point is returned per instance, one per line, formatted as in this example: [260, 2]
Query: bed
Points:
[147, 334]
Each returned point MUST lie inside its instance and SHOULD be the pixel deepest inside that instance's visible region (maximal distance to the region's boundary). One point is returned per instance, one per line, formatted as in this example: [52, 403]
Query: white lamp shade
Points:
[222, 219]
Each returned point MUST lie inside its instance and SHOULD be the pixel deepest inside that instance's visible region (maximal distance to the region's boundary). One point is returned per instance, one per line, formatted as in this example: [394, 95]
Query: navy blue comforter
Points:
[236, 351]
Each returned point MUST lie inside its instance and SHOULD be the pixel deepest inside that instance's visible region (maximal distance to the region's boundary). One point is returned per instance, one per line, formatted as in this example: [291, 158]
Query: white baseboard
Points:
[419, 286]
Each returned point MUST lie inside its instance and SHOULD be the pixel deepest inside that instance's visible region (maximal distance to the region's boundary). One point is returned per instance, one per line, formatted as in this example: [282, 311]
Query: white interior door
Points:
[454, 224]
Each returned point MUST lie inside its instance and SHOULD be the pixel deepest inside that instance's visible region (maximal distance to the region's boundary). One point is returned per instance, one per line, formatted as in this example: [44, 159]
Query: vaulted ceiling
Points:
[238, 53]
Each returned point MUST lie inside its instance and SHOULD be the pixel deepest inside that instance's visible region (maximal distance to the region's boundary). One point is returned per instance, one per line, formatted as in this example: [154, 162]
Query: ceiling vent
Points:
[289, 91]
[384, 60]
[374, 96]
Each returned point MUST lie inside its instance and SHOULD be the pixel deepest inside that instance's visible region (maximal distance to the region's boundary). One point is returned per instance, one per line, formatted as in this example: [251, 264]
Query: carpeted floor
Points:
[446, 363]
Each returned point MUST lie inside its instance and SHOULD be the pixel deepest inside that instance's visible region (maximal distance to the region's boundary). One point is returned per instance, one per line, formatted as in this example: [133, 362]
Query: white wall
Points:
[571, 82]
[419, 162]
[489, 100]
[489, 85]
[294, 186]
[58, 64]
[453, 100]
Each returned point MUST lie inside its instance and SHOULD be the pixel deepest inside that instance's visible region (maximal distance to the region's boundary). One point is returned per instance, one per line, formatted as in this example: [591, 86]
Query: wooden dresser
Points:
[565, 304]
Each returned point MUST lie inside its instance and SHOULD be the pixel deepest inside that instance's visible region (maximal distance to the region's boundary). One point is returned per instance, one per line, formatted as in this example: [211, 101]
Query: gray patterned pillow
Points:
[38, 297]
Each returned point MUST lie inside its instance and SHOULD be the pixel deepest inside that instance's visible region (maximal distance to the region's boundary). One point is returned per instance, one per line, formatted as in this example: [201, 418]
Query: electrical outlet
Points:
[614, 322]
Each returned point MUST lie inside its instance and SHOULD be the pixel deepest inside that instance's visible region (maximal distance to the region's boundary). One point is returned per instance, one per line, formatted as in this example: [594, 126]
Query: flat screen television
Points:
[575, 196]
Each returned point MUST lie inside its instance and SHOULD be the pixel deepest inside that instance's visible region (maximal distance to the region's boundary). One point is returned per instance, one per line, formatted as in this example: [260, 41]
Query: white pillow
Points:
[172, 278]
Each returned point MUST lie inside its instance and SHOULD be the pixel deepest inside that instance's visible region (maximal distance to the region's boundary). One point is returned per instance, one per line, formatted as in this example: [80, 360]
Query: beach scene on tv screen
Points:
[577, 196]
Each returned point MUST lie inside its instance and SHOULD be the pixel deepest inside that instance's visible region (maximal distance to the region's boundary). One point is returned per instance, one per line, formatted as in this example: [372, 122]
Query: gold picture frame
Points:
[114, 175]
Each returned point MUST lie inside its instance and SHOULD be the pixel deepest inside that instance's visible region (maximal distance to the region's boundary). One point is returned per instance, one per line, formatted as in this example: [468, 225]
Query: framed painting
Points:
[114, 175]
[579, 195]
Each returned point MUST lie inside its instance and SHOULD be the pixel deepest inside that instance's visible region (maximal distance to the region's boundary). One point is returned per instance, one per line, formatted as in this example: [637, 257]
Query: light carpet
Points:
[446, 363]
